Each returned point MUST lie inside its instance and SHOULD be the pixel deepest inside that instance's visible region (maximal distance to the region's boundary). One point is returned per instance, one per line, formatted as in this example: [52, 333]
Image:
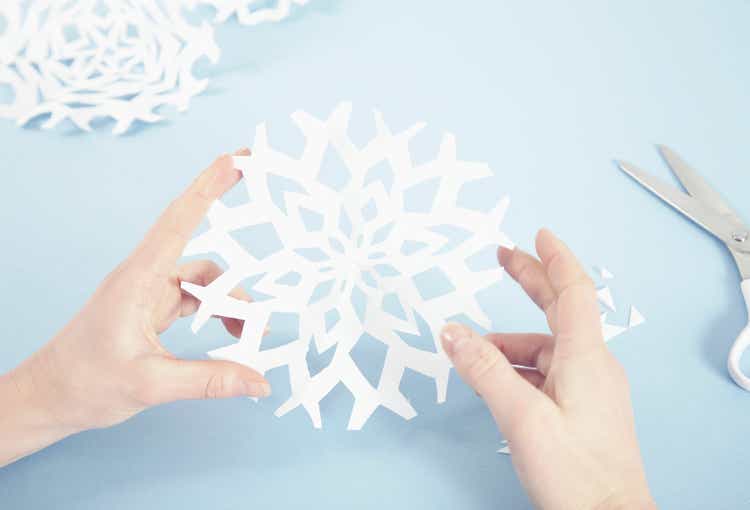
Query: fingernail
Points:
[453, 337]
[258, 389]
[503, 255]
[242, 151]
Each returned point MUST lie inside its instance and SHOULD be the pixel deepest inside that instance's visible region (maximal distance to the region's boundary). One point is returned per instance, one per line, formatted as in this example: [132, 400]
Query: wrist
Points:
[27, 423]
[634, 500]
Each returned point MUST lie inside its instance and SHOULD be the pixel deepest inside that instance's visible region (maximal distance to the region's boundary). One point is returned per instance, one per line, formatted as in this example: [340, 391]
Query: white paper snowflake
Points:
[121, 59]
[252, 12]
[81, 60]
[368, 241]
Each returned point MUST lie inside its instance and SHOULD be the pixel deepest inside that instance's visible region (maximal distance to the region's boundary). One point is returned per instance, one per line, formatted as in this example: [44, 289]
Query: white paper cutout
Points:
[248, 14]
[610, 331]
[504, 448]
[635, 318]
[355, 261]
[605, 297]
[606, 300]
[87, 59]
[605, 274]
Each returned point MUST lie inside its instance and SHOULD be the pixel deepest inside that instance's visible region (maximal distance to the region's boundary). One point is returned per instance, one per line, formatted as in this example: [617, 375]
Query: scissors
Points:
[704, 206]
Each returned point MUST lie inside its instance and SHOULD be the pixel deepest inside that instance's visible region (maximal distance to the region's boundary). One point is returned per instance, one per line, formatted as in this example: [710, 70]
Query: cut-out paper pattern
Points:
[368, 242]
[252, 12]
[81, 60]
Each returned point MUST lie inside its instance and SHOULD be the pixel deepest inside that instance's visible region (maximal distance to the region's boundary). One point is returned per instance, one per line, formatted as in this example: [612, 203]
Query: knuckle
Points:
[523, 273]
[542, 360]
[215, 387]
[172, 211]
[514, 262]
[481, 365]
[174, 217]
[554, 262]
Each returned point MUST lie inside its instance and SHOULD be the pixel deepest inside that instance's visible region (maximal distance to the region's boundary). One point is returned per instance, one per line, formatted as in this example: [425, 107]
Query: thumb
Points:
[483, 367]
[199, 379]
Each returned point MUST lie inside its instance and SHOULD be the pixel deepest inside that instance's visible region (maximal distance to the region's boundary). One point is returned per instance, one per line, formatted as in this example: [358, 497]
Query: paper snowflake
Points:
[252, 12]
[121, 59]
[369, 242]
[80, 60]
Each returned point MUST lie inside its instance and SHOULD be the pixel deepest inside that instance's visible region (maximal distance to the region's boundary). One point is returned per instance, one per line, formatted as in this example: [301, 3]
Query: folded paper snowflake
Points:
[121, 59]
[80, 60]
[252, 12]
[361, 239]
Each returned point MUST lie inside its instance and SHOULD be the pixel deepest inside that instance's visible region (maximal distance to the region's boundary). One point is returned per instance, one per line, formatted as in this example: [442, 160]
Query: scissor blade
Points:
[696, 185]
[721, 226]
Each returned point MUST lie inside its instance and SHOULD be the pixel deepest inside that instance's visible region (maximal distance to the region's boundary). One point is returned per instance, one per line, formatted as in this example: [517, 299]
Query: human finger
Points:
[176, 379]
[577, 323]
[526, 349]
[166, 240]
[530, 274]
[483, 367]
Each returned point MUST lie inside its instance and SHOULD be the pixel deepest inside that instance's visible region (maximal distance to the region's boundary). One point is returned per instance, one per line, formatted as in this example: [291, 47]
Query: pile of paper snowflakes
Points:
[121, 59]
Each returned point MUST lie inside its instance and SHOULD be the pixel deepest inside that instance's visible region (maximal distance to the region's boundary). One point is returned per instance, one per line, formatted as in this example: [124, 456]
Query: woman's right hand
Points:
[568, 418]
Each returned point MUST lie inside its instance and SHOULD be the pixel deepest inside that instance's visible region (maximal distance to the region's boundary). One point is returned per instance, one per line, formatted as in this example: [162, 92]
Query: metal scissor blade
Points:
[725, 228]
[695, 184]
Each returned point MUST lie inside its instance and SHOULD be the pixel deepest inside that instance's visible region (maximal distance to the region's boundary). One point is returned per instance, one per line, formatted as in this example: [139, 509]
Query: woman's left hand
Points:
[107, 364]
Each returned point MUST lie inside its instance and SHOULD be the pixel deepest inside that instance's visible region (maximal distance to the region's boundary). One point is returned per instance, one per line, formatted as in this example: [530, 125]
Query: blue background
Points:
[548, 93]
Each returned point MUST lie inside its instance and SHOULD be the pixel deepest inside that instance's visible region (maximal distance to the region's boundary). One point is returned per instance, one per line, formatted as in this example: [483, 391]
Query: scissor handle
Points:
[740, 346]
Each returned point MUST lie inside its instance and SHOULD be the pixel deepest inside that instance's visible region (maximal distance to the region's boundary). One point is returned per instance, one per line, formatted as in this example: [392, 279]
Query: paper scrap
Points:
[610, 331]
[605, 274]
[504, 448]
[252, 12]
[83, 60]
[358, 247]
[635, 318]
[605, 297]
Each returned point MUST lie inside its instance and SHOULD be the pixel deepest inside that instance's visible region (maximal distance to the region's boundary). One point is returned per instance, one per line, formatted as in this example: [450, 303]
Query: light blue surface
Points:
[548, 94]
